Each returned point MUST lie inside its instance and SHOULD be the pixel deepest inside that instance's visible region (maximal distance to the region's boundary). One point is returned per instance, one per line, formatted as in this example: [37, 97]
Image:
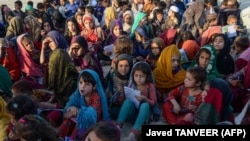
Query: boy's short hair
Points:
[22, 87]
[18, 2]
[198, 73]
[242, 42]
[230, 17]
[90, 9]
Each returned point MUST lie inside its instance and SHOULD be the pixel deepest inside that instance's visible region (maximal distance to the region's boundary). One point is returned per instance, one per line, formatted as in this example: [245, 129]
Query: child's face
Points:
[128, 19]
[218, 43]
[79, 20]
[155, 49]
[189, 81]
[28, 45]
[204, 59]
[170, 13]
[85, 88]
[117, 31]
[46, 27]
[139, 78]
[88, 24]
[232, 21]
[77, 50]
[175, 59]
[12, 119]
[138, 37]
[123, 67]
[71, 26]
[159, 17]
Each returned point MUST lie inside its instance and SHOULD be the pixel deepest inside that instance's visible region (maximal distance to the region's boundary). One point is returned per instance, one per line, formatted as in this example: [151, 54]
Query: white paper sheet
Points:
[130, 94]
[238, 119]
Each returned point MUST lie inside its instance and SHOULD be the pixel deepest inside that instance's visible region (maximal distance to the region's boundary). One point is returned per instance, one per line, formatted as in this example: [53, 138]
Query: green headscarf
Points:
[212, 71]
[138, 18]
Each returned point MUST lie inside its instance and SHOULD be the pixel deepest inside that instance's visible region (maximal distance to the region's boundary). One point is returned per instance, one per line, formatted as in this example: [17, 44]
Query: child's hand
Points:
[141, 98]
[71, 112]
[189, 117]
[12, 136]
[234, 82]
[203, 95]
[176, 108]
[192, 108]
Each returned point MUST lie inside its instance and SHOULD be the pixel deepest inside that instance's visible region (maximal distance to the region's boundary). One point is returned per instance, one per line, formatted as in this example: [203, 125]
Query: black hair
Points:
[19, 3]
[198, 73]
[30, 3]
[87, 77]
[21, 105]
[144, 68]
[199, 53]
[107, 131]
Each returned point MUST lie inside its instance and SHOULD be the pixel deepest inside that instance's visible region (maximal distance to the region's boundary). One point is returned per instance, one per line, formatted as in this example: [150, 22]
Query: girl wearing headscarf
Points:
[85, 107]
[5, 83]
[224, 62]
[62, 74]
[116, 30]
[157, 46]
[140, 20]
[206, 58]
[128, 19]
[8, 59]
[29, 61]
[188, 51]
[33, 27]
[110, 14]
[141, 44]
[15, 28]
[82, 57]
[168, 73]
[89, 32]
[117, 80]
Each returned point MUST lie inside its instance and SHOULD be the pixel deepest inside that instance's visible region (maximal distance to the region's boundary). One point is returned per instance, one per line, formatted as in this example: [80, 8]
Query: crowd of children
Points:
[192, 60]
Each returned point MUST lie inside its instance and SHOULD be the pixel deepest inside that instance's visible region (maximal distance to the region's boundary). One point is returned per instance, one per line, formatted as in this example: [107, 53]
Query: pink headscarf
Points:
[26, 61]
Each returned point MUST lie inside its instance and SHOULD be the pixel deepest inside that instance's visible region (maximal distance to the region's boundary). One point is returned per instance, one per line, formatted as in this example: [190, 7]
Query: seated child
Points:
[86, 106]
[182, 102]
[141, 79]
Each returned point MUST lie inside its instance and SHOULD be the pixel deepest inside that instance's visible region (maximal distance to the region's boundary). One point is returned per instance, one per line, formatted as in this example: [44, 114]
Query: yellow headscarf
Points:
[163, 75]
[4, 119]
[110, 14]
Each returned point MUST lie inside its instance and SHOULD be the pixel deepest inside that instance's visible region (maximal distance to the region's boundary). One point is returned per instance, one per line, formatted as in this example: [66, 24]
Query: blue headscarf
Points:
[58, 39]
[87, 115]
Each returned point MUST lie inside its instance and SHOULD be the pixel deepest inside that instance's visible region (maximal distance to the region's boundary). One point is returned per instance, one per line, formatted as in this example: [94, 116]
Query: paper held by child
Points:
[130, 94]
[229, 30]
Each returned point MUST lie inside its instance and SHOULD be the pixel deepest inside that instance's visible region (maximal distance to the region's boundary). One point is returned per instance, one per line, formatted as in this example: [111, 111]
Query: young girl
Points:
[157, 22]
[71, 29]
[82, 57]
[206, 58]
[29, 58]
[118, 78]
[141, 79]
[142, 44]
[18, 107]
[182, 102]
[86, 106]
[103, 131]
[172, 20]
[157, 45]
[224, 62]
[34, 128]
